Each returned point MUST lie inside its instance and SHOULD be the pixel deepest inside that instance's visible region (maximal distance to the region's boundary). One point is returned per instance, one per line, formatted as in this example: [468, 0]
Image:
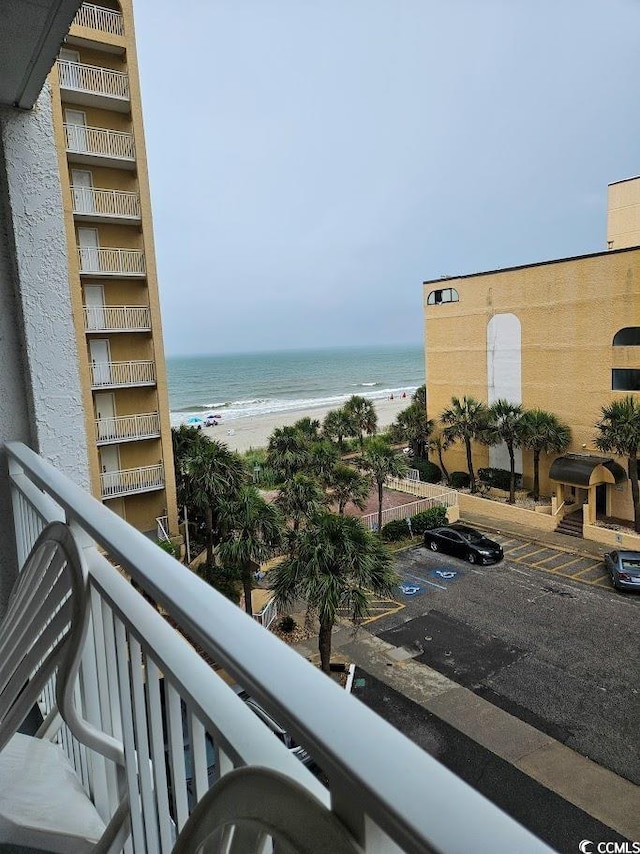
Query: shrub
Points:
[459, 479]
[421, 522]
[169, 547]
[431, 518]
[287, 624]
[224, 580]
[395, 530]
[497, 478]
[429, 472]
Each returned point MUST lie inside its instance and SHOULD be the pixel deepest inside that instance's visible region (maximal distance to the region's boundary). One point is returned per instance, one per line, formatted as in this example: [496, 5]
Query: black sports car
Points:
[464, 542]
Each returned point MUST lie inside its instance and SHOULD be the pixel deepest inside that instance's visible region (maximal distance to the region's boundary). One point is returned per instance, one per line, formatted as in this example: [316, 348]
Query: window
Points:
[443, 295]
[625, 379]
[627, 337]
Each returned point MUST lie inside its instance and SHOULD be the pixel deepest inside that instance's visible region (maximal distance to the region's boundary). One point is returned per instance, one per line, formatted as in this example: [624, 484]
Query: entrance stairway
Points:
[571, 524]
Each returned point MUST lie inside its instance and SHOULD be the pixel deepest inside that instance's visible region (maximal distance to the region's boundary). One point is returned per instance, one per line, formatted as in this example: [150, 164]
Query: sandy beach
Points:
[242, 434]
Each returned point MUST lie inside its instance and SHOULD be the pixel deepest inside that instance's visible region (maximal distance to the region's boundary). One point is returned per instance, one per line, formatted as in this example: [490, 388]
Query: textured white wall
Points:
[40, 397]
[504, 375]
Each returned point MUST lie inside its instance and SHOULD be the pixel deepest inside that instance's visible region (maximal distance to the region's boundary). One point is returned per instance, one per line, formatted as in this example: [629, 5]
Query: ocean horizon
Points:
[244, 385]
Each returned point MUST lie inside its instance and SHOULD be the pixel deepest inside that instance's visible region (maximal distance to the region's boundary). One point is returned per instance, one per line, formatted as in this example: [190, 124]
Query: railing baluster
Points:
[136, 666]
[158, 756]
[176, 753]
[128, 737]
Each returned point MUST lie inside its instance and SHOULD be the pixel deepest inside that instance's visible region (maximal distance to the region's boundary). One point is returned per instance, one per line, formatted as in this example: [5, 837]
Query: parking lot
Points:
[543, 635]
[586, 570]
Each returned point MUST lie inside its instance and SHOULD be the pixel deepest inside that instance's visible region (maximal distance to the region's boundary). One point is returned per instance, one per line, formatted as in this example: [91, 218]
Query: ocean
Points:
[250, 384]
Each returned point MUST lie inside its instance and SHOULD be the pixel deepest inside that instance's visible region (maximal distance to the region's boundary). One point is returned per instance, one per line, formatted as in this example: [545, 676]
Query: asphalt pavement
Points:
[514, 675]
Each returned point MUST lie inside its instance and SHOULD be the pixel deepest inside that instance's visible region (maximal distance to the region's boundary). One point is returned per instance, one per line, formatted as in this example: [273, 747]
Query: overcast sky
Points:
[313, 161]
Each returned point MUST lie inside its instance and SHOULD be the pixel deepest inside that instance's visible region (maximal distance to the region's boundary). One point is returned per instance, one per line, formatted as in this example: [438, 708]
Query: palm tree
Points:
[619, 428]
[254, 529]
[362, 417]
[441, 443]
[308, 427]
[543, 431]
[382, 462]
[287, 451]
[336, 426]
[338, 564]
[214, 473]
[323, 457]
[419, 397]
[413, 427]
[506, 426]
[300, 497]
[465, 421]
[348, 485]
[184, 441]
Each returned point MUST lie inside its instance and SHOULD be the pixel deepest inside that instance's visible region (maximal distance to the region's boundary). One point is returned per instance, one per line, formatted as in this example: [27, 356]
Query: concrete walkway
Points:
[602, 794]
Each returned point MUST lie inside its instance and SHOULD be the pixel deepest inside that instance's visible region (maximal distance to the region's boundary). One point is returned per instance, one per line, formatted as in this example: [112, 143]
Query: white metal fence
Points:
[268, 614]
[100, 142]
[403, 511]
[98, 18]
[122, 373]
[115, 203]
[183, 727]
[111, 262]
[448, 497]
[93, 79]
[125, 427]
[116, 318]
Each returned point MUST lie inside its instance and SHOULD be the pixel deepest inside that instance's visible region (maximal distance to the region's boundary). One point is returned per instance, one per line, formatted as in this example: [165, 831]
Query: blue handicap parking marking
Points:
[445, 573]
[407, 588]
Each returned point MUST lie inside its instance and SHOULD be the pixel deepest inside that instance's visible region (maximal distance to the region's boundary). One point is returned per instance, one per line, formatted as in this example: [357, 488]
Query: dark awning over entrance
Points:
[585, 470]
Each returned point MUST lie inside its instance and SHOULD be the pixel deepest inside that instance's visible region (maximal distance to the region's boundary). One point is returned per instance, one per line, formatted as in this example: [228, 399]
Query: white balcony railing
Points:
[98, 18]
[111, 262]
[116, 318]
[123, 428]
[93, 79]
[131, 481]
[105, 203]
[390, 795]
[99, 142]
[105, 374]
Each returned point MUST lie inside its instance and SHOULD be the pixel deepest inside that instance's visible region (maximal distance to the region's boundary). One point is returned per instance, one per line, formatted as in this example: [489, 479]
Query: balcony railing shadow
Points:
[183, 728]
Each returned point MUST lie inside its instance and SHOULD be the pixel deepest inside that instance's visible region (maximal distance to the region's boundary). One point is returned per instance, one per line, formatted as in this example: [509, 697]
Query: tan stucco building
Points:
[562, 336]
[112, 272]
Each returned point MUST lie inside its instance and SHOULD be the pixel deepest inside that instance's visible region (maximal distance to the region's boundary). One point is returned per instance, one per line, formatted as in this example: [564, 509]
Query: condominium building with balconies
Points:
[112, 272]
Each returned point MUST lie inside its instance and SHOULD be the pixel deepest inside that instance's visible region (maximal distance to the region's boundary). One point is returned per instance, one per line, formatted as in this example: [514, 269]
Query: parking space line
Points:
[425, 580]
[588, 569]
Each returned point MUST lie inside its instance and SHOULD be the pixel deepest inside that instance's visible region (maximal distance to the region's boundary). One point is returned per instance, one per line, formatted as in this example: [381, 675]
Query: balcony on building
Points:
[117, 318]
[93, 146]
[117, 484]
[111, 262]
[122, 374]
[95, 205]
[94, 86]
[127, 428]
[143, 683]
[102, 20]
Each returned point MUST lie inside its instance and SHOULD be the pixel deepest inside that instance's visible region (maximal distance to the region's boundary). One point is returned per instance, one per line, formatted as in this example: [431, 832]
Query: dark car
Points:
[624, 569]
[464, 542]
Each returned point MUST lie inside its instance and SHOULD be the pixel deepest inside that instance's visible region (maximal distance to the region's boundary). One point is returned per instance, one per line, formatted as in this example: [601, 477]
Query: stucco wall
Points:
[569, 312]
[623, 214]
[39, 384]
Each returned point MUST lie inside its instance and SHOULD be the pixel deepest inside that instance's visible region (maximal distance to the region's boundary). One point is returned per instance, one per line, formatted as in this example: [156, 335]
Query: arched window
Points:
[627, 337]
[443, 295]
